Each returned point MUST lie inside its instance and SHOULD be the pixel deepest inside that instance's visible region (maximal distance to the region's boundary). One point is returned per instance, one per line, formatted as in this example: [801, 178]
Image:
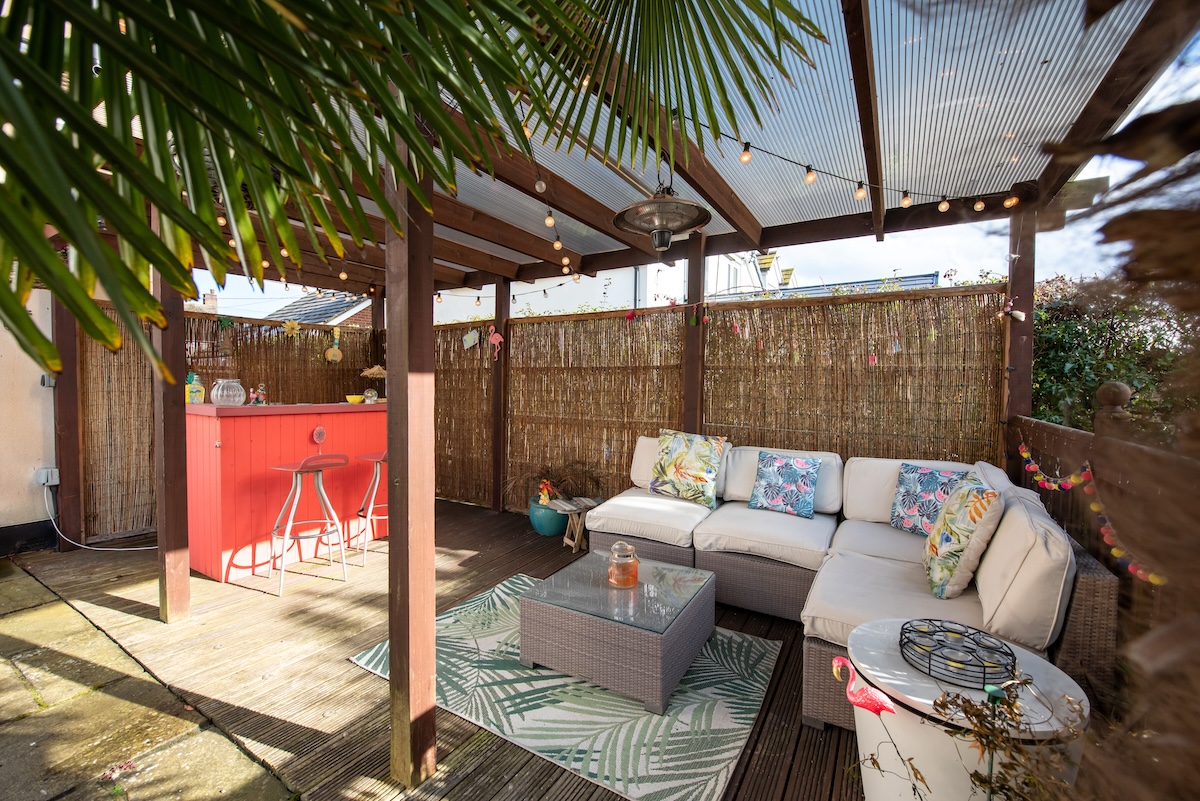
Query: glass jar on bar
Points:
[228, 392]
[622, 565]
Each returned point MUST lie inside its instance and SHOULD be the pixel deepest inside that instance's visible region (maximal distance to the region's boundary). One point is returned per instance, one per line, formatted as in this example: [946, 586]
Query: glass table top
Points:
[662, 592]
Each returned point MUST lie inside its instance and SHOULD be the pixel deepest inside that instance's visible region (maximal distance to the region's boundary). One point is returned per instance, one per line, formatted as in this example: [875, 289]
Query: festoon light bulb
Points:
[861, 192]
[558, 244]
[438, 297]
[905, 200]
[746, 154]
[343, 275]
[478, 302]
[539, 186]
[979, 205]
[944, 206]
[549, 219]
[810, 176]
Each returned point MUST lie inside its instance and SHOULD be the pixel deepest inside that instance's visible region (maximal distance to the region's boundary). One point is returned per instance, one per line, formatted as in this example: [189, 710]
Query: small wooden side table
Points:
[576, 510]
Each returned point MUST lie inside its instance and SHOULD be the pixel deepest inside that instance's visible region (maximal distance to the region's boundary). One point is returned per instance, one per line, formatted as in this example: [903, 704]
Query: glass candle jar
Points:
[228, 392]
[622, 565]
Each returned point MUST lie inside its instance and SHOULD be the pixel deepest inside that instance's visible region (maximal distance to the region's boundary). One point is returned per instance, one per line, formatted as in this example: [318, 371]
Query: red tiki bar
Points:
[234, 495]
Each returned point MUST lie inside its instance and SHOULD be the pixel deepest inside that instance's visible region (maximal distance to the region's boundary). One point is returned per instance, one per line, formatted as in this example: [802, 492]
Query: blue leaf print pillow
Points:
[785, 484]
[920, 494]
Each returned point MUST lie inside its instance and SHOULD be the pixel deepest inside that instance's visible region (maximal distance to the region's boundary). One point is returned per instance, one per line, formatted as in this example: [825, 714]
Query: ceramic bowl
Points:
[354, 398]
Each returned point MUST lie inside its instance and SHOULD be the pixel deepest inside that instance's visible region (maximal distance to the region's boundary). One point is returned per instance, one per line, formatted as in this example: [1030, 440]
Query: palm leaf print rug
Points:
[687, 753]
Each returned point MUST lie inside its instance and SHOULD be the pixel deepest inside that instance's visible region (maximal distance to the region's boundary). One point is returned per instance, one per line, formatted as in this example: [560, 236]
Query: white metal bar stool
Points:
[331, 527]
[370, 501]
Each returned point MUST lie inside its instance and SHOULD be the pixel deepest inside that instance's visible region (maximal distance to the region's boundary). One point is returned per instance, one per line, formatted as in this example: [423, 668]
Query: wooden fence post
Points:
[68, 427]
[693, 337]
[500, 397]
[1111, 418]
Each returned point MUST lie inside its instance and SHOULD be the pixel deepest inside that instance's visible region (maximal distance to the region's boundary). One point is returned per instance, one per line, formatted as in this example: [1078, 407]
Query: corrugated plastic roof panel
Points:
[968, 92]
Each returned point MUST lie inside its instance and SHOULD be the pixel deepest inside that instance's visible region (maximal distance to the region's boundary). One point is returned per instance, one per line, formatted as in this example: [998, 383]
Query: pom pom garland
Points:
[1083, 476]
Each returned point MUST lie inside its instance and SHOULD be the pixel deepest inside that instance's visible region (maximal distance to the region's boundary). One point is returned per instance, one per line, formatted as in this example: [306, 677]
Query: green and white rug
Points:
[688, 753]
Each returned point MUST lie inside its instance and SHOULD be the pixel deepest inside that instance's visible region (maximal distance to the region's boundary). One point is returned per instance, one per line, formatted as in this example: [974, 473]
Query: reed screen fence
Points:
[581, 391]
[463, 411]
[914, 375]
[118, 439]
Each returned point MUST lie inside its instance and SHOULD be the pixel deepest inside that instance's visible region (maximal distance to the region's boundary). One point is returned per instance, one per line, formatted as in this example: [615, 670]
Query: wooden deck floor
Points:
[273, 673]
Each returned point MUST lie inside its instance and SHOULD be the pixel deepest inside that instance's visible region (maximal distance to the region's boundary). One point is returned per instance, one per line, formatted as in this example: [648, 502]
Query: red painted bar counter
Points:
[234, 496]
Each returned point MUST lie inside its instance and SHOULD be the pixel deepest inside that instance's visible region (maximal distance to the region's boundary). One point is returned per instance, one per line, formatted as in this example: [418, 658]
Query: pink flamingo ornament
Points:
[867, 698]
[496, 339]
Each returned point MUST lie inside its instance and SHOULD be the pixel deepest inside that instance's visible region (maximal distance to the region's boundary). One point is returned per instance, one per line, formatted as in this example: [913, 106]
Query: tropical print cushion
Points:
[687, 467]
[785, 484]
[961, 534]
[920, 494]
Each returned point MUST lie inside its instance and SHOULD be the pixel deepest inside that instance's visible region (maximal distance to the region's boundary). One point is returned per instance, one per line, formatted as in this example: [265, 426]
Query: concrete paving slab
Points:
[9, 569]
[64, 746]
[16, 698]
[75, 665]
[42, 625]
[197, 767]
[22, 592]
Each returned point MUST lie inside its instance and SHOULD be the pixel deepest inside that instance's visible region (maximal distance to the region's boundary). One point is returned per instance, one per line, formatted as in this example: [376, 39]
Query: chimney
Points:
[210, 302]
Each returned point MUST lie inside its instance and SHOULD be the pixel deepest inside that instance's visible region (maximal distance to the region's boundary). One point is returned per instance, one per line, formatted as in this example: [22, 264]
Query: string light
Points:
[286, 287]
[979, 205]
[283, 252]
[545, 294]
[539, 186]
[557, 243]
[343, 275]
[549, 219]
[221, 220]
[319, 295]
[566, 270]
[303, 290]
[265, 264]
[1011, 201]
[566, 260]
[944, 206]
[232, 244]
[575, 278]
[439, 297]
[746, 154]
[478, 302]
[861, 192]
[906, 200]
[810, 175]
[584, 81]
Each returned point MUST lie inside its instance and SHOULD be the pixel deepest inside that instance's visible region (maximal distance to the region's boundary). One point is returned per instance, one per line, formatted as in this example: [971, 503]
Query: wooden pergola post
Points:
[410, 439]
[170, 456]
[378, 325]
[68, 428]
[500, 397]
[1022, 229]
[693, 337]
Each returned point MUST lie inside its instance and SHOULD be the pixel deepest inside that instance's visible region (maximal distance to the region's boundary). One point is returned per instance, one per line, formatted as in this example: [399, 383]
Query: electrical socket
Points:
[46, 476]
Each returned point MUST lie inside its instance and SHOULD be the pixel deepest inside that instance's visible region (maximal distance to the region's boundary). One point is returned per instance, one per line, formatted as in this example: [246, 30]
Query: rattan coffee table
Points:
[637, 642]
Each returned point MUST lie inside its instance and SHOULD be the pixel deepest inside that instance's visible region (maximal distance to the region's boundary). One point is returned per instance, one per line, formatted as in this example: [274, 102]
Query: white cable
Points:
[53, 522]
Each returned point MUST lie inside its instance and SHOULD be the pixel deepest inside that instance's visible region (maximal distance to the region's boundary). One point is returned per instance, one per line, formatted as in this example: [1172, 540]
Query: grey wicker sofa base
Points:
[757, 583]
[602, 541]
[1086, 650]
[629, 661]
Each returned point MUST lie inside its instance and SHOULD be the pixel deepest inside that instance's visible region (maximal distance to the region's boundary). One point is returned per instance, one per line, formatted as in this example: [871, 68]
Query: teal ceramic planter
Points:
[546, 521]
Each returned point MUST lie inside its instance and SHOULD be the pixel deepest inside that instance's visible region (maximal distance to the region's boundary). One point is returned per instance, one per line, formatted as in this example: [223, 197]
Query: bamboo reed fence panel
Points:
[582, 389]
[293, 368]
[463, 415]
[903, 375]
[118, 440]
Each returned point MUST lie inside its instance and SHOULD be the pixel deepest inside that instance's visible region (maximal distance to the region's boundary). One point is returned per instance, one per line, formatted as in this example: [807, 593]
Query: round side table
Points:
[945, 761]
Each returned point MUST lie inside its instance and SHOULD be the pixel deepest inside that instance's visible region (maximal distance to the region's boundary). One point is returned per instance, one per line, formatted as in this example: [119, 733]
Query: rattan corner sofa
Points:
[847, 565]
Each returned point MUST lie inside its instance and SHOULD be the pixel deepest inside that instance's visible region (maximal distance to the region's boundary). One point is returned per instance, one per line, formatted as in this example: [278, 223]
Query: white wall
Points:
[27, 412]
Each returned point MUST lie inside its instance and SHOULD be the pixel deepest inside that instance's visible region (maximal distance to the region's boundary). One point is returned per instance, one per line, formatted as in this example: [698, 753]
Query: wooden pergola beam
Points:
[455, 253]
[459, 216]
[857, 16]
[1164, 30]
[519, 172]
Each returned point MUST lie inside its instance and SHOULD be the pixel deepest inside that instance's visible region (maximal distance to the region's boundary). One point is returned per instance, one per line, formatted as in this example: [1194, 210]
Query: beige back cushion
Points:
[743, 470]
[1026, 574]
[645, 454]
[869, 485]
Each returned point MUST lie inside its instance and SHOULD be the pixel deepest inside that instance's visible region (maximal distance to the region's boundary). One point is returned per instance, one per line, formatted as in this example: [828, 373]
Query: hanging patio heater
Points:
[662, 216]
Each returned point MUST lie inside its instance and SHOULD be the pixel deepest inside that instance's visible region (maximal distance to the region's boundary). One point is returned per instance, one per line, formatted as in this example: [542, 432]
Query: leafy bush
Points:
[1089, 333]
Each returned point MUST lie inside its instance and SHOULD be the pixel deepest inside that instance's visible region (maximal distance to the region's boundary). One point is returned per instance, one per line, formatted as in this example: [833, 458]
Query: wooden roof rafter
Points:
[857, 16]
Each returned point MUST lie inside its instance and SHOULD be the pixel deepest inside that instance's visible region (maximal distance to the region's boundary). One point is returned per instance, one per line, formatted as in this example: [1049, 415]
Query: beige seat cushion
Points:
[1025, 578]
[638, 513]
[869, 485]
[851, 589]
[645, 454]
[785, 538]
[878, 539]
[743, 470]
